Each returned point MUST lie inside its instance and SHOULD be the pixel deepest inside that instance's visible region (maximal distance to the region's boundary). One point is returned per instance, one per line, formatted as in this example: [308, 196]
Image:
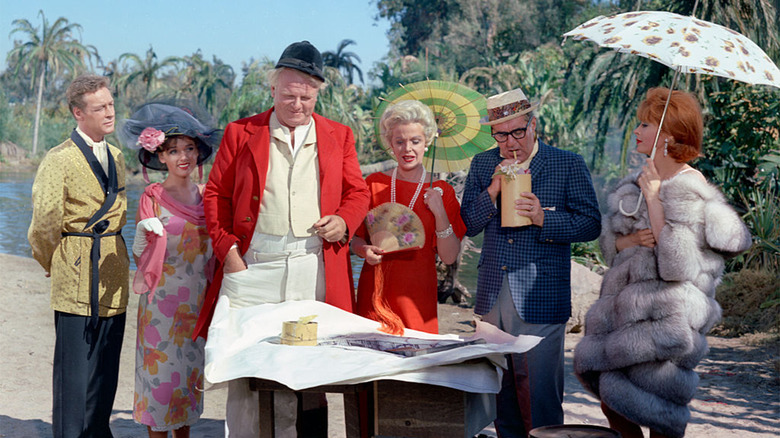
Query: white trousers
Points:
[279, 268]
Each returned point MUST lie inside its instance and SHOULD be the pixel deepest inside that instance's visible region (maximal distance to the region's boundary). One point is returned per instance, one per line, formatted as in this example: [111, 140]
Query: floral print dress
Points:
[169, 364]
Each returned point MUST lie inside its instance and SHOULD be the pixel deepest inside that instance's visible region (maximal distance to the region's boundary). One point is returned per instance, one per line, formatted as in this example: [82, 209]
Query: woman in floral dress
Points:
[172, 250]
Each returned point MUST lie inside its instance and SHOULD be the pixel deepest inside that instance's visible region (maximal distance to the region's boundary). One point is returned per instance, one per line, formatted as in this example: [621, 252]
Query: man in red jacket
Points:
[283, 199]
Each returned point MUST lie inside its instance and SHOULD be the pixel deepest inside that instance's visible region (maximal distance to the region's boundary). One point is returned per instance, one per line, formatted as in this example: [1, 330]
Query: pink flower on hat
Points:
[150, 139]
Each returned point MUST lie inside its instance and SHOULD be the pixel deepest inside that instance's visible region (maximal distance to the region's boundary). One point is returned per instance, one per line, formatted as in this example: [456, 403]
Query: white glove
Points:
[144, 226]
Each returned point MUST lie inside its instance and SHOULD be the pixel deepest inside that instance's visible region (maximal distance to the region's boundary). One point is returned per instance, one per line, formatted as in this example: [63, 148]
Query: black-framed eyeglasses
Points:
[518, 133]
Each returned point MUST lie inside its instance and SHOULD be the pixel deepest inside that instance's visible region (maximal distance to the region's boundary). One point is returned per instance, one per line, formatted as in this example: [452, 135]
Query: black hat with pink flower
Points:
[150, 125]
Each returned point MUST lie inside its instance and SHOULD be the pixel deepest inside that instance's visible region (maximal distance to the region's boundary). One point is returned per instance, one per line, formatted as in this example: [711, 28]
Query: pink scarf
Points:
[150, 263]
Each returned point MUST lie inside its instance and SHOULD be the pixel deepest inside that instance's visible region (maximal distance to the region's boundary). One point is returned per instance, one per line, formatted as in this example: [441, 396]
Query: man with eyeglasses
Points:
[523, 284]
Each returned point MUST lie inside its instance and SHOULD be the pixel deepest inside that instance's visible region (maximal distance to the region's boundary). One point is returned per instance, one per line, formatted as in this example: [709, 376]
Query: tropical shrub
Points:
[751, 302]
[743, 128]
[763, 219]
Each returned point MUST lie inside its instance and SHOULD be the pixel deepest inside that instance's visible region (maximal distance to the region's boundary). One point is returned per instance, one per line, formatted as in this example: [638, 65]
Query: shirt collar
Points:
[282, 133]
[89, 141]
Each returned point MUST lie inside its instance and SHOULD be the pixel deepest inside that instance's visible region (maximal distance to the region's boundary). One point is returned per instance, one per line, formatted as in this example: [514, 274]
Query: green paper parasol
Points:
[457, 110]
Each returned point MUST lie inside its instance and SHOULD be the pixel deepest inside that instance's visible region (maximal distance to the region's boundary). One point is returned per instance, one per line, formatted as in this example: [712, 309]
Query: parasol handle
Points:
[433, 156]
[636, 209]
[663, 114]
[655, 143]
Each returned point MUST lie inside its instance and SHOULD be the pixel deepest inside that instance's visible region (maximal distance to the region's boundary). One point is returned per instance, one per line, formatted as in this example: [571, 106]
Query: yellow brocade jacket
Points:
[65, 195]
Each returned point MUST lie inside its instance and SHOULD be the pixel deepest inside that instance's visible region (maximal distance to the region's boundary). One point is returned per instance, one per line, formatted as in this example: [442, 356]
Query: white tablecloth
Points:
[243, 342]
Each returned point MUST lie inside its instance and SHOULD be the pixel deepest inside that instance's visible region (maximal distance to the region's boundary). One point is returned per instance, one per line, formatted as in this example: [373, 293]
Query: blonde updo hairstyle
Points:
[683, 122]
[403, 112]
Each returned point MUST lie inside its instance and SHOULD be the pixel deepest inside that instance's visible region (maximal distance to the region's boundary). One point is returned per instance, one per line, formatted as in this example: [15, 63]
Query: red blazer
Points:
[235, 188]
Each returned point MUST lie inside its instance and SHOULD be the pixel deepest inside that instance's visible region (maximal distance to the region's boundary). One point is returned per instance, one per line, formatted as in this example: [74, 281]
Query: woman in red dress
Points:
[409, 284]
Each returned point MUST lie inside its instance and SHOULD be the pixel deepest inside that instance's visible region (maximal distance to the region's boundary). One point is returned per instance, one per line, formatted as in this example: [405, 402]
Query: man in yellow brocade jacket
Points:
[79, 209]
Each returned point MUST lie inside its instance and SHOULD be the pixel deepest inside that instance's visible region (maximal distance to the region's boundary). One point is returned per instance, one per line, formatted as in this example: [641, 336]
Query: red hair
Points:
[683, 121]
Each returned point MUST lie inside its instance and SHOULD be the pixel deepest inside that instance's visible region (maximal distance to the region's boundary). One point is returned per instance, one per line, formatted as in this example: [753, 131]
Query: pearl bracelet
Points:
[445, 233]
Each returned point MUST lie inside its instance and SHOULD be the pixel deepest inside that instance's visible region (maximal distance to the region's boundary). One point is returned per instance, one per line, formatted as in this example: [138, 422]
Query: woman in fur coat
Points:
[647, 331]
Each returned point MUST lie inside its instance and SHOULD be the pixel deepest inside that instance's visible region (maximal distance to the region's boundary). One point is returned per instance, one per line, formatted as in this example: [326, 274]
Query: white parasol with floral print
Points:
[686, 44]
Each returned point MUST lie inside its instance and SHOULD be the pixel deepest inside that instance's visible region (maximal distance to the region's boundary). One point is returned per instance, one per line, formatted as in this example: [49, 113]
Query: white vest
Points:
[291, 199]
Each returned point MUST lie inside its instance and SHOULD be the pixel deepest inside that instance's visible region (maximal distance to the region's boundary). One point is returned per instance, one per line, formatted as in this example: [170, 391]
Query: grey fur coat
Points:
[647, 331]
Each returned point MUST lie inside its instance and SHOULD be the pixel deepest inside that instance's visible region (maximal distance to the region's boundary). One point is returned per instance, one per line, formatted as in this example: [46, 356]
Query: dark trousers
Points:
[532, 388]
[86, 371]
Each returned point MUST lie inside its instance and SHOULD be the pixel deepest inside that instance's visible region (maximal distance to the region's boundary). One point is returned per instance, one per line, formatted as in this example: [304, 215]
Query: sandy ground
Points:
[739, 392]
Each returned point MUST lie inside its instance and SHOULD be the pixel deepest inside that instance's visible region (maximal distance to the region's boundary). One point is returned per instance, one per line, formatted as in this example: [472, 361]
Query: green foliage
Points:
[769, 170]
[344, 61]
[49, 48]
[16, 124]
[606, 88]
[211, 82]
[611, 85]
[743, 127]
[771, 301]
[414, 22]
[48, 52]
[763, 219]
[540, 73]
[148, 71]
[588, 254]
[253, 96]
[464, 34]
[6, 118]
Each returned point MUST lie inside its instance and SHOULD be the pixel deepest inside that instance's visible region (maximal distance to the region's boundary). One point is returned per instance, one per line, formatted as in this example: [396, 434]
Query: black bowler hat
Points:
[302, 56]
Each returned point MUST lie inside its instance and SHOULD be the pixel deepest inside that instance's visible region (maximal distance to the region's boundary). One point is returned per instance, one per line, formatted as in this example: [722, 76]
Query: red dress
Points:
[410, 284]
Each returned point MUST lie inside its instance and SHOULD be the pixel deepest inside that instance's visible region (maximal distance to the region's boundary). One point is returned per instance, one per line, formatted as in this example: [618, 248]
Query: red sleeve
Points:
[371, 184]
[354, 192]
[452, 206]
[218, 194]
[362, 232]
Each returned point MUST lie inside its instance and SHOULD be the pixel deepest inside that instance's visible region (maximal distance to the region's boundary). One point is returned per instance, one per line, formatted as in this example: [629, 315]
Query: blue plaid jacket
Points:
[536, 260]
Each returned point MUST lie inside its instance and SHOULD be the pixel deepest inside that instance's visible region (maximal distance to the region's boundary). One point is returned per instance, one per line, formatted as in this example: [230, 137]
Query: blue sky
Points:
[234, 30]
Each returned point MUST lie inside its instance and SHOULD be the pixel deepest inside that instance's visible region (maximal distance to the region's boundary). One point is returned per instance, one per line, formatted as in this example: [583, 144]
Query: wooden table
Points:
[394, 408]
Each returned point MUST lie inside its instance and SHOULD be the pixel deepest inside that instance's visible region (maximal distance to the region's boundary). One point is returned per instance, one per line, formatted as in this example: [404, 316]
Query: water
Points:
[16, 213]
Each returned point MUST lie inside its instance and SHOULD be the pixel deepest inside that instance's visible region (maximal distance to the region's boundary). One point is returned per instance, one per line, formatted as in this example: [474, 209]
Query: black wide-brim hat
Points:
[171, 120]
[304, 57]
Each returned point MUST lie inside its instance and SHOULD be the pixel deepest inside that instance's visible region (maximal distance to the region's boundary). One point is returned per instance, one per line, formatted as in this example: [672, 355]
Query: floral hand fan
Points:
[395, 227]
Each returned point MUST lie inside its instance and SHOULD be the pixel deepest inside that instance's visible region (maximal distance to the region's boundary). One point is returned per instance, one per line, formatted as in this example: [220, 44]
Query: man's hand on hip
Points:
[331, 228]
[233, 262]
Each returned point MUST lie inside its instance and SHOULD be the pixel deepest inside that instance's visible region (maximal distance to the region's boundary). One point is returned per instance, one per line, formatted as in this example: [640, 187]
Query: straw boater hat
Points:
[507, 106]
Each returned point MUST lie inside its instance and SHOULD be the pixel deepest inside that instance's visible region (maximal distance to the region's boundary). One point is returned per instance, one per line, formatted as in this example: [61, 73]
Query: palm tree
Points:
[344, 61]
[206, 79]
[341, 102]
[48, 49]
[253, 95]
[491, 80]
[147, 69]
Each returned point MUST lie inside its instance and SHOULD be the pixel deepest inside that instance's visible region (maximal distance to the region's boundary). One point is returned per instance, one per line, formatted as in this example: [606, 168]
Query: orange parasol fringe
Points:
[391, 323]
